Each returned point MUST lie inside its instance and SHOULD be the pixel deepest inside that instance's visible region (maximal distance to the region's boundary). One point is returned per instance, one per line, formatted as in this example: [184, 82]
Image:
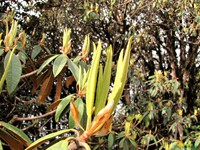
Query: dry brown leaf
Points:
[69, 81]
[58, 87]
[106, 127]
[75, 114]
[54, 105]
[39, 80]
[45, 88]
[11, 141]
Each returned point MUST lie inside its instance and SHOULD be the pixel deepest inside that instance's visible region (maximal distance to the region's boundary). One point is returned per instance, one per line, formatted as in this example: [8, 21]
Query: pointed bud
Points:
[66, 41]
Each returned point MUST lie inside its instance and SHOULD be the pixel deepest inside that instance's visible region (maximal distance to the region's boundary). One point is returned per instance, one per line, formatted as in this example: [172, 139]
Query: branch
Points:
[16, 118]
[29, 74]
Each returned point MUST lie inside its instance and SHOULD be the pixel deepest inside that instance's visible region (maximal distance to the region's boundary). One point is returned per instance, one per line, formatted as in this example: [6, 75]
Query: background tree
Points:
[166, 38]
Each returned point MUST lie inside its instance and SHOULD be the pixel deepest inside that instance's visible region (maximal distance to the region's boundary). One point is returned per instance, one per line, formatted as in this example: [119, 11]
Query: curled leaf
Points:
[75, 114]
[100, 119]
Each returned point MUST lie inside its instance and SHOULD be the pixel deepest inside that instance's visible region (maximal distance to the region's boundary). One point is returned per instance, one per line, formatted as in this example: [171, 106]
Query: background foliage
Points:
[160, 103]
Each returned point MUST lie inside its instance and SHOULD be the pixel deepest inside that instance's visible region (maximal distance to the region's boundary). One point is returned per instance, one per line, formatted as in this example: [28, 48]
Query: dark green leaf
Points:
[63, 104]
[59, 64]
[74, 69]
[14, 72]
[36, 50]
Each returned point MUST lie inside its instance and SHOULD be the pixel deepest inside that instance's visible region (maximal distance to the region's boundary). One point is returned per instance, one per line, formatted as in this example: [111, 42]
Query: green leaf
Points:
[77, 59]
[63, 104]
[74, 69]
[139, 117]
[61, 145]
[1, 69]
[46, 138]
[133, 142]
[125, 145]
[14, 72]
[22, 57]
[121, 74]
[46, 62]
[121, 143]
[110, 140]
[71, 122]
[91, 84]
[121, 134]
[81, 107]
[17, 132]
[98, 101]
[48, 51]
[173, 145]
[36, 50]
[1, 147]
[59, 64]
[1, 51]
[3, 78]
[151, 115]
[197, 142]
[104, 79]
[173, 127]
[147, 121]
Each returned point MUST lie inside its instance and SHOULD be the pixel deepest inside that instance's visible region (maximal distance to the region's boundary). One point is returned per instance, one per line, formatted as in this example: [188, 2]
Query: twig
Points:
[36, 117]
[44, 124]
[29, 74]
[12, 109]
[26, 128]
[25, 102]
[16, 118]
[156, 142]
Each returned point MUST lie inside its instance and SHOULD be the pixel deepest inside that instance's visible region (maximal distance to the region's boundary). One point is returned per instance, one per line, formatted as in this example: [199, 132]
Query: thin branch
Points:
[156, 142]
[16, 118]
[29, 74]
[25, 102]
[36, 117]
[12, 109]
